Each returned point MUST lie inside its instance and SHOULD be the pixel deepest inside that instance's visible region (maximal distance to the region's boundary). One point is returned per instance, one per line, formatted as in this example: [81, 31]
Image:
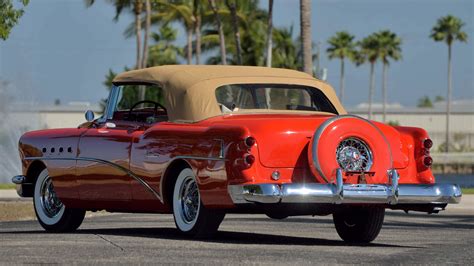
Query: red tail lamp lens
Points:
[427, 143]
[427, 161]
[250, 141]
[249, 159]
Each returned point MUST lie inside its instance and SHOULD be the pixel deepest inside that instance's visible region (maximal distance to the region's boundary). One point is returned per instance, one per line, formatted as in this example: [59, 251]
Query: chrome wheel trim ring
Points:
[186, 201]
[49, 209]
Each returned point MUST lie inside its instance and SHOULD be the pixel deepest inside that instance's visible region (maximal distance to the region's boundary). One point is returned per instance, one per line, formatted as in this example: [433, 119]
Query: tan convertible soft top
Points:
[190, 89]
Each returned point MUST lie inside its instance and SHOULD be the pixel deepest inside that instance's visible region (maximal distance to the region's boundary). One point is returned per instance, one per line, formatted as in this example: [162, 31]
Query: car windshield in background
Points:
[236, 97]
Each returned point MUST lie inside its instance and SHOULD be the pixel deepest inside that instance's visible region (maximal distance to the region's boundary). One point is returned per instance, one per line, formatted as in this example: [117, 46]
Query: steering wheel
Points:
[146, 101]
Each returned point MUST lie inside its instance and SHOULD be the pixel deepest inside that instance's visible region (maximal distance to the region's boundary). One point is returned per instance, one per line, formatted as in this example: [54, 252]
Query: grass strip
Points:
[7, 186]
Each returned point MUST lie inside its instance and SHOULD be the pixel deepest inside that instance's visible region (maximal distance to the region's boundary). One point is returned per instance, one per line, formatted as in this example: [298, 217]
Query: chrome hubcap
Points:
[50, 203]
[189, 197]
[353, 154]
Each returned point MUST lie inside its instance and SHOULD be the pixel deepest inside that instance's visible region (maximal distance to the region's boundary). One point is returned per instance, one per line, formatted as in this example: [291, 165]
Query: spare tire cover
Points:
[326, 139]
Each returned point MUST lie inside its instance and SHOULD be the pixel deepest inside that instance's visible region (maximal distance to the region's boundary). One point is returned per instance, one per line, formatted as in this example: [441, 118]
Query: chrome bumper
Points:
[23, 188]
[340, 193]
[19, 179]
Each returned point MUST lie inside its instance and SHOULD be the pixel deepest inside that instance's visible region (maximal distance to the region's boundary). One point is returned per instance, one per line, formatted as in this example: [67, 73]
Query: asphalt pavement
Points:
[416, 238]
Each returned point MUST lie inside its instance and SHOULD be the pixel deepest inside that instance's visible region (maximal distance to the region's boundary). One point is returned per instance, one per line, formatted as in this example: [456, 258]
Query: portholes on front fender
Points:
[45, 150]
[52, 150]
[61, 149]
[69, 150]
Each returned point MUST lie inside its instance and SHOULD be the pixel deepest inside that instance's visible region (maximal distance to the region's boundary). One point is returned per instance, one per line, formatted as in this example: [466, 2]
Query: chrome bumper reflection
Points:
[339, 193]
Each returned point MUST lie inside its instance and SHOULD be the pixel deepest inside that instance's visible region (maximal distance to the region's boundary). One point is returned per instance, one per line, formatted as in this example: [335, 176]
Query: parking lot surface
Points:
[143, 238]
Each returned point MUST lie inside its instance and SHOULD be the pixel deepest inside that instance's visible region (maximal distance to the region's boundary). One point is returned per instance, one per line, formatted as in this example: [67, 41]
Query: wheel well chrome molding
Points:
[320, 130]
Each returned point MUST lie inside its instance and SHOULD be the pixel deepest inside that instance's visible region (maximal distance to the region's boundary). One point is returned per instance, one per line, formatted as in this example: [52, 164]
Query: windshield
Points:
[232, 98]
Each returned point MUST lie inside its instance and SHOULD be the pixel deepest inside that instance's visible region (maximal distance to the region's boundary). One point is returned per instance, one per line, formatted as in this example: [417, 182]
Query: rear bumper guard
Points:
[339, 193]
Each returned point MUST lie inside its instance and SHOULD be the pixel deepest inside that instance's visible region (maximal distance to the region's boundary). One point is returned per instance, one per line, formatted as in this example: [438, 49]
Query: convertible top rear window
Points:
[272, 97]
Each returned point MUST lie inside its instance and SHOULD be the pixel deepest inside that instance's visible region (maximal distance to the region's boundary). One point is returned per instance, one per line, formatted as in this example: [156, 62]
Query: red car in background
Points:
[203, 141]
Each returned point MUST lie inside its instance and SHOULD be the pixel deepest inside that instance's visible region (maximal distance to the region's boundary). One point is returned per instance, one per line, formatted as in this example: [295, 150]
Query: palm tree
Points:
[220, 29]
[269, 33]
[370, 52]
[197, 14]
[235, 27]
[390, 48]
[448, 29]
[164, 52]
[252, 29]
[147, 33]
[285, 49]
[182, 12]
[341, 46]
[306, 42]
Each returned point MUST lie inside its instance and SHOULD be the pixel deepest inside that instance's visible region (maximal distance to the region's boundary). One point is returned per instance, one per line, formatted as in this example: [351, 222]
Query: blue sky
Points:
[61, 49]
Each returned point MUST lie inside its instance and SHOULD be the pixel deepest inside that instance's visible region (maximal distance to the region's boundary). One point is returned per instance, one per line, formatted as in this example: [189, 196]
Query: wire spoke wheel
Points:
[352, 154]
[52, 214]
[190, 215]
[189, 197]
[49, 201]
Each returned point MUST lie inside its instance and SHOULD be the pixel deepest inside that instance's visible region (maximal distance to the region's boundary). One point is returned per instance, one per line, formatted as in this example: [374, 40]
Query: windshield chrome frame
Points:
[110, 107]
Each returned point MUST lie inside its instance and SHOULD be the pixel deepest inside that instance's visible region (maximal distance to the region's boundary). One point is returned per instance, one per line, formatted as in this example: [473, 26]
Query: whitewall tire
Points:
[52, 214]
[190, 215]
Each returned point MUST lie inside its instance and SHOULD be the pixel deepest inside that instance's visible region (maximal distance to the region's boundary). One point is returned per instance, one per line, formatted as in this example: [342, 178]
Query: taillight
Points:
[427, 144]
[249, 159]
[427, 161]
[249, 141]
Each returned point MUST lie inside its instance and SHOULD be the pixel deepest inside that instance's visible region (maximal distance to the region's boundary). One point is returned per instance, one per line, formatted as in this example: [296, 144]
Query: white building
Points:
[431, 119]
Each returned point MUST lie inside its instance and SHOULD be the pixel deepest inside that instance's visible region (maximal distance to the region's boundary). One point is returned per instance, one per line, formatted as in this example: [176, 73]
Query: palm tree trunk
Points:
[372, 87]
[198, 39]
[138, 31]
[384, 92]
[341, 92]
[212, 3]
[269, 33]
[448, 98]
[235, 26]
[305, 24]
[189, 51]
[147, 33]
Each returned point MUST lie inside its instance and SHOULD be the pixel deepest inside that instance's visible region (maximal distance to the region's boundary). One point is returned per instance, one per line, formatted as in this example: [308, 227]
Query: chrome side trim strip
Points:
[199, 158]
[322, 128]
[121, 168]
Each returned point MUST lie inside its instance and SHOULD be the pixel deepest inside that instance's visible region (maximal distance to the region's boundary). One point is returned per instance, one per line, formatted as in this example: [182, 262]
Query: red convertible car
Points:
[203, 141]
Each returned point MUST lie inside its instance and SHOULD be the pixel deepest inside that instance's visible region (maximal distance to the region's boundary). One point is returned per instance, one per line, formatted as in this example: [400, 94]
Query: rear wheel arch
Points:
[169, 178]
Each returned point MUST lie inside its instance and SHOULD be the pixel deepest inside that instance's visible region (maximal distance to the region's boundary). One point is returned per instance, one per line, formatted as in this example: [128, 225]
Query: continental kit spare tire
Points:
[353, 144]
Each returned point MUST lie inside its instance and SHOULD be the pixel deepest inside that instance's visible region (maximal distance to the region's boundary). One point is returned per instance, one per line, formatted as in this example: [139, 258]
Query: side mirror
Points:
[89, 116]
